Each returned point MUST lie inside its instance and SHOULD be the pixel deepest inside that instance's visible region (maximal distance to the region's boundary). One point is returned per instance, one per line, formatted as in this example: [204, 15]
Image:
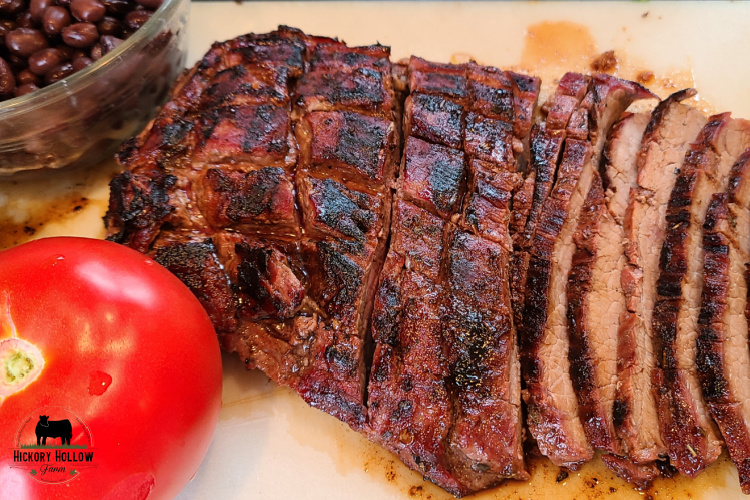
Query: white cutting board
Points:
[269, 444]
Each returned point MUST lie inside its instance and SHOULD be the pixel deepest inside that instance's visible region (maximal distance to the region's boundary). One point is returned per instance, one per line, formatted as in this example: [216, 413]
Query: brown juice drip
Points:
[30, 203]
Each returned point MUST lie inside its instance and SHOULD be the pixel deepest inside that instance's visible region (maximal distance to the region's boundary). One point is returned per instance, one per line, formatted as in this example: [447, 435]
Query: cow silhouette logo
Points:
[47, 428]
[53, 445]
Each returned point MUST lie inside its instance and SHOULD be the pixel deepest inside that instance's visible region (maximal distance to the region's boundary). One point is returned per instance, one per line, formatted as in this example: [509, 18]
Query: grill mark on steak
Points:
[365, 89]
[194, 261]
[471, 437]
[435, 118]
[347, 145]
[432, 176]
[545, 146]
[220, 161]
[138, 206]
[331, 209]
[723, 357]
[262, 198]
[686, 426]
[671, 129]
[487, 209]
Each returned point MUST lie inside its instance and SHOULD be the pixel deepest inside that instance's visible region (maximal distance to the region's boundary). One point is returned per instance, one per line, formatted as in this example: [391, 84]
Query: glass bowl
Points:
[84, 118]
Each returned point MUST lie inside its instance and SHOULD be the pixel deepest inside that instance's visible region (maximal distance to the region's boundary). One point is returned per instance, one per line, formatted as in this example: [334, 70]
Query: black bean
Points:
[90, 11]
[27, 76]
[76, 53]
[56, 74]
[134, 20]
[44, 41]
[4, 30]
[37, 8]
[44, 60]
[109, 43]
[110, 26]
[119, 7]
[11, 6]
[81, 62]
[55, 19]
[23, 42]
[68, 52]
[80, 35]
[25, 89]
[7, 80]
[25, 20]
[97, 51]
[151, 4]
[16, 62]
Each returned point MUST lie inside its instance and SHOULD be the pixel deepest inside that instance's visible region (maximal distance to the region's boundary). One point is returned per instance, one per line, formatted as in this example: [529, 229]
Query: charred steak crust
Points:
[281, 235]
[450, 235]
[693, 440]
[723, 358]
[671, 129]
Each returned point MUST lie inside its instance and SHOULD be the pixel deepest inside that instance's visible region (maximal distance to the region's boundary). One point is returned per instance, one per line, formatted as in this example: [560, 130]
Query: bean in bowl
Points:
[76, 84]
[44, 41]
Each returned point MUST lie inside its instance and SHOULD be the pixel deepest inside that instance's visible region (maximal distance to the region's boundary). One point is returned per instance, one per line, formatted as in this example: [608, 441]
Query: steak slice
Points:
[444, 336]
[550, 396]
[723, 356]
[595, 296]
[551, 402]
[686, 425]
[673, 126]
[486, 441]
[595, 302]
[546, 141]
[410, 409]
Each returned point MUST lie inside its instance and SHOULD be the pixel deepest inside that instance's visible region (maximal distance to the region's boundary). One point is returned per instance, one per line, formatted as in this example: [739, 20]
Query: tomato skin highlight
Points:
[127, 348]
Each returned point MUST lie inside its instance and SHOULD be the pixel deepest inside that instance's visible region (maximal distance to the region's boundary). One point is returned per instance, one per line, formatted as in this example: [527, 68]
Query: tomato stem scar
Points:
[21, 362]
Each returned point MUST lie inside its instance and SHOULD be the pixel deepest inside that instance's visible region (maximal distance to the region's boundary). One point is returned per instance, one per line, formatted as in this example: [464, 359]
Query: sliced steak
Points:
[551, 402]
[444, 336]
[486, 442]
[691, 436]
[410, 409]
[595, 297]
[595, 302]
[546, 141]
[723, 356]
[673, 126]
[551, 398]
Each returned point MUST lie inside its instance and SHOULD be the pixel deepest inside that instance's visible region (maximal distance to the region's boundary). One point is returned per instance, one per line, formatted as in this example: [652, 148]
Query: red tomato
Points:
[98, 335]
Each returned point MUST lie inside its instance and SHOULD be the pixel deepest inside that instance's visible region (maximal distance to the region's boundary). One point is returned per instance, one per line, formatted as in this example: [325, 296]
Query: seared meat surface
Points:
[692, 437]
[554, 415]
[417, 250]
[265, 183]
[723, 357]
[458, 319]
[672, 127]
